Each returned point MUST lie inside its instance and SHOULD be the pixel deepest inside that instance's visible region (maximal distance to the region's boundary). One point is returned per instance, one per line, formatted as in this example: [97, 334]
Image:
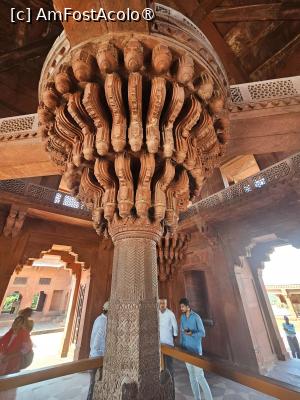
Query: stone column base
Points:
[129, 389]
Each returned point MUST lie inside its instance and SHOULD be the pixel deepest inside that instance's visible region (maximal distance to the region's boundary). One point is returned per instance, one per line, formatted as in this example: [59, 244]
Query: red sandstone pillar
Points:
[71, 314]
[132, 358]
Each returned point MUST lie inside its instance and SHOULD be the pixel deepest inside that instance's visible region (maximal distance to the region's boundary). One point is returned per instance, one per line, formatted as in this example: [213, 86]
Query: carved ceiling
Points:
[23, 49]
[256, 40]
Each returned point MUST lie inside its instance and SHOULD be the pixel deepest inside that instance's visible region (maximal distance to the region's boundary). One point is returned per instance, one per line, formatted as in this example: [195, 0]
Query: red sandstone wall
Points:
[227, 332]
[60, 280]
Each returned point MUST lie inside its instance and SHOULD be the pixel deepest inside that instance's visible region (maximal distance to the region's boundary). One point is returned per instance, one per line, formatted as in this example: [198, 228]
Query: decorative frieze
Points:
[265, 94]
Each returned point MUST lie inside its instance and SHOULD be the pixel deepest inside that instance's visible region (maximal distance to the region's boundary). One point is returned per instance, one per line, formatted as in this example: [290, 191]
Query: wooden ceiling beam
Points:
[268, 68]
[232, 65]
[257, 12]
[204, 9]
[10, 107]
[273, 46]
[19, 55]
[196, 10]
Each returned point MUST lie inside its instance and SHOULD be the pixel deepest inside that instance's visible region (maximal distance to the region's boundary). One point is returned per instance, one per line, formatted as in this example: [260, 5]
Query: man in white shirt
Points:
[97, 343]
[168, 331]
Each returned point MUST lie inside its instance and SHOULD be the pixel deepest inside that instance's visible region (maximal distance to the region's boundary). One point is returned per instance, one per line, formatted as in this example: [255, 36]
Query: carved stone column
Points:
[132, 354]
[136, 120]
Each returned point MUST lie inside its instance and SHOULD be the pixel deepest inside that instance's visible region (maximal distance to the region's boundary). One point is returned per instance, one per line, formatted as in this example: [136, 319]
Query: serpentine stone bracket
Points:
[136, 122]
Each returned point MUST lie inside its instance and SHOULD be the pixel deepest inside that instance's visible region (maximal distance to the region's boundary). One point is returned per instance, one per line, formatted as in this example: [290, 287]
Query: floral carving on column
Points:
[136, 122]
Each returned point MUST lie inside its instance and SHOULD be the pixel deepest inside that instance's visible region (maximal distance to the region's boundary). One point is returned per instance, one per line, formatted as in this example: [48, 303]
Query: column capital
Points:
[131, 227]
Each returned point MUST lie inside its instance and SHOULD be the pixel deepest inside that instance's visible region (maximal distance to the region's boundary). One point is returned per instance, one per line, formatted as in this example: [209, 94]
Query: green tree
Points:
[9, 301]
[35, 301]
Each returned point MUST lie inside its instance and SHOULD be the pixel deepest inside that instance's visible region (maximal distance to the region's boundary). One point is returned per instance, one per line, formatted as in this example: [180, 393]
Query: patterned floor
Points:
[287, 371]
[221, 388]
[74, 387]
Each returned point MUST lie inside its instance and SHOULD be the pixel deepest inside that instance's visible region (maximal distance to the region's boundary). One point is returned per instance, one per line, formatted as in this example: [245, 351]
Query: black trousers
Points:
[168, 361]
[294, 346]
[93, 373]
[92, 384]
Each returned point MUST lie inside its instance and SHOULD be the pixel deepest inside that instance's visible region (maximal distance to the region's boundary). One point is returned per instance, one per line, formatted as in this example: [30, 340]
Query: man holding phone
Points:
[191, 333]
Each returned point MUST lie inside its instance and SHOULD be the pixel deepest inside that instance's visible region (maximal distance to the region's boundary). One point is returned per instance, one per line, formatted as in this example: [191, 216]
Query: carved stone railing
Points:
[265, 94]
[283, 286]
[46, 196]
[20, 127]
[283, 170]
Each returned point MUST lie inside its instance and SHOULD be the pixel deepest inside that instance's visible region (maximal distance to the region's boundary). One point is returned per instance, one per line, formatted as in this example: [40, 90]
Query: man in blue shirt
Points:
[191, 333]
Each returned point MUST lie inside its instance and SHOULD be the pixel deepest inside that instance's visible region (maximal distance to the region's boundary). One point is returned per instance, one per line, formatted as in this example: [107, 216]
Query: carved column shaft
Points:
[132, 349]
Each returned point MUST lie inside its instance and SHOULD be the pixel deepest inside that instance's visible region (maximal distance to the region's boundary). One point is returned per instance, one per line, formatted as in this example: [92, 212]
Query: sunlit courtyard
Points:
[281, 276]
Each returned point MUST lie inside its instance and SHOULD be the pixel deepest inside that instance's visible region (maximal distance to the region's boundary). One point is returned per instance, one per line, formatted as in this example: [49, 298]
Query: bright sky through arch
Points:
[283, 267]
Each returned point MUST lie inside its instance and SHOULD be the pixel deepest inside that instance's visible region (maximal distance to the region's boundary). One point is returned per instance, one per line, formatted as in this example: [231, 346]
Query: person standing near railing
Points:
[97, 343]
[291, 336]
[191, 333]
[168, 330]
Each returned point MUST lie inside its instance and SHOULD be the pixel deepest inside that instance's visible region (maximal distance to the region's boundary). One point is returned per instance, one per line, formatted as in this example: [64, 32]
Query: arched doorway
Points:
[53, 285]
[266, 330]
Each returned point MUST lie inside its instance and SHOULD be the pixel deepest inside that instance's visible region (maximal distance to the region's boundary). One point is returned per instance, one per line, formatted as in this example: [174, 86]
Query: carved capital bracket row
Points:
[171, 251]
[136, 123]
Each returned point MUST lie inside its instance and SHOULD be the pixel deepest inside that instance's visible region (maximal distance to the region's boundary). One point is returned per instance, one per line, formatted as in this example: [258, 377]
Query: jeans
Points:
[198, 380]
[294, 346]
